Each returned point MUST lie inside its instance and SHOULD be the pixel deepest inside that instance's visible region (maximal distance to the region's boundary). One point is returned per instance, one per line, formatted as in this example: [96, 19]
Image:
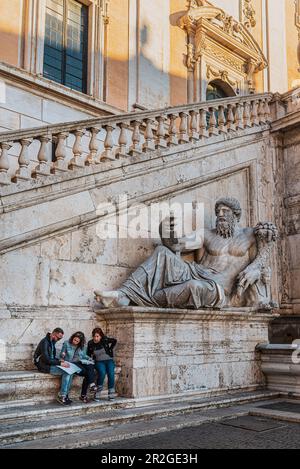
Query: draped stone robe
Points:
[165, 280]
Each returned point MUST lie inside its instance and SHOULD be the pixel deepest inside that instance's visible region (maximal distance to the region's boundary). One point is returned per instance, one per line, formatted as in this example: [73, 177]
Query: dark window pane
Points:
[66, 36]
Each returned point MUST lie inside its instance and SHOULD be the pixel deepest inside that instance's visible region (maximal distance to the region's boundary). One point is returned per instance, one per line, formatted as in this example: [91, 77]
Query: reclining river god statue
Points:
[234, 269]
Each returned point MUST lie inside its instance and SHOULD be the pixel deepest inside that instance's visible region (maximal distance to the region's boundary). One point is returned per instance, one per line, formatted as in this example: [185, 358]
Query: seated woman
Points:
[74, 351]
[100, 348]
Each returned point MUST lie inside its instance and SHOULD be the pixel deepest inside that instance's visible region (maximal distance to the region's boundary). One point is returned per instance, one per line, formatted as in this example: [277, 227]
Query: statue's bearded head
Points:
[228, 212]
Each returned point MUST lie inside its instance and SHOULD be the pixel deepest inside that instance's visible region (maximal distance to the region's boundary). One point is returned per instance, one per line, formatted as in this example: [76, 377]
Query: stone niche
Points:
[168, 351]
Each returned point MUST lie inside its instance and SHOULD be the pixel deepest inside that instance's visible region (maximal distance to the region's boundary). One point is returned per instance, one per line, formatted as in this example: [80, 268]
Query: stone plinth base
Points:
[167, 351]
[281, 365]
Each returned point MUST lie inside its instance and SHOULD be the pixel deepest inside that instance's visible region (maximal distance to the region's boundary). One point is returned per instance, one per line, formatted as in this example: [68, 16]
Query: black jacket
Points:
[42, 355]
[108, 343]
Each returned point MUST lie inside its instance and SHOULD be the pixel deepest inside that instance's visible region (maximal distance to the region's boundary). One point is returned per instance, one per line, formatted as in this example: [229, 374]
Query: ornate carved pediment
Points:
[206, 23]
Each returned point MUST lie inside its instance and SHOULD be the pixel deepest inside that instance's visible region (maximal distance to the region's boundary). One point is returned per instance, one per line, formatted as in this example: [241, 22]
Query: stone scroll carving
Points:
[233, 271]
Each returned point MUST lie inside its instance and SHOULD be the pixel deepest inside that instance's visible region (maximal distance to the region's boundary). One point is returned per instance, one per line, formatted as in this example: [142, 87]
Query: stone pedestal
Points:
[281, 365]
[167, 351]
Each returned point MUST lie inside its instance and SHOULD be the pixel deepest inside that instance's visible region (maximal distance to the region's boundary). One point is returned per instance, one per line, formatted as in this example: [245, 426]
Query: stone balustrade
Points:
[56, 149]
[291, 100]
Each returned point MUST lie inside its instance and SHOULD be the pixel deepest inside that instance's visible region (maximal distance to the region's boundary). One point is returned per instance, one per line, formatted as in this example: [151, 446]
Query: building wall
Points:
[277, 46]
[292, 206]
[141, 58]
[154, 53]
[257, 32]
[118, 55]
[11, 15]
[291, 40]
[178, 70]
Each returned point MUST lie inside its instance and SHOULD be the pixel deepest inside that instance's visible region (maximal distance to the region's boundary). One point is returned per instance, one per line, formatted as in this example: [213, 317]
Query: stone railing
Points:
[56, 149]
[291, 100]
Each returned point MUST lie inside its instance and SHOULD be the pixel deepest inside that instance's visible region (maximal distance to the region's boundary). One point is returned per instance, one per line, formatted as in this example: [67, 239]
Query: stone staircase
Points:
[28, 421]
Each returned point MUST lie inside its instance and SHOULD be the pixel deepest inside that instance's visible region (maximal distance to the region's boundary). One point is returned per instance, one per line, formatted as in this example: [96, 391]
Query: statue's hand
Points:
[247, 278]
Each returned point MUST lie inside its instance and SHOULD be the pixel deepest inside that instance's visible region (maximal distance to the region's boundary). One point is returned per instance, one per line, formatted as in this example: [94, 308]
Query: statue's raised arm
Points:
[168, 232]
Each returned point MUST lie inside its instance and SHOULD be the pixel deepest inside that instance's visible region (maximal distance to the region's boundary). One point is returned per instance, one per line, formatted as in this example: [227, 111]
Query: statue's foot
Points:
[111, 298]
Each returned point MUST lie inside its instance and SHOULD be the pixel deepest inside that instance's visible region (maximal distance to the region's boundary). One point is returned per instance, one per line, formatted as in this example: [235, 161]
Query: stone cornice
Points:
[143, 314]
[287, 122]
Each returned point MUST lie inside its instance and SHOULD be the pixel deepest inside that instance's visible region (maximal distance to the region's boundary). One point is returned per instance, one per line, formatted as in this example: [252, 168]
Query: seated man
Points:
[45, 360]
[233, 269]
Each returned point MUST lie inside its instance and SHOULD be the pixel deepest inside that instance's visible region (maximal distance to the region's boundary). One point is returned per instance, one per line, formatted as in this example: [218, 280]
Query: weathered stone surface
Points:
[72, 283]
[88, 247]
[24, 279]
[45, 214]
[21, 328]
[165, 351]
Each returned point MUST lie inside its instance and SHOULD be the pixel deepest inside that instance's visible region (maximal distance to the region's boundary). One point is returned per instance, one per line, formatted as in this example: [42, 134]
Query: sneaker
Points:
[62, 400]
[97, 396]
[111, 395]
[69, 401]
[84, 399]
[93, 388]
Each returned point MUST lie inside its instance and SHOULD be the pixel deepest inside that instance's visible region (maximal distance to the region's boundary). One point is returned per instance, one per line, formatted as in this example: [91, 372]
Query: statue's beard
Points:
[226, 228]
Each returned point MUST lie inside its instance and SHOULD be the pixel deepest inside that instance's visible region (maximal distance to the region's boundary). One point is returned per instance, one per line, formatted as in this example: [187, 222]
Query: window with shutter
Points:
[66, 39]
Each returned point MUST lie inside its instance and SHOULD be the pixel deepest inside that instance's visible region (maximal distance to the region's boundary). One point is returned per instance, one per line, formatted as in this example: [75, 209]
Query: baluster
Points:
[76, 161]
[93, 147]
[183, 127]
[4, 164]
[194, 134]
[44, 166]
[161, 141]
[24, 172]
[221, 120]
[230, 119]
[173, 140]
[238, 122]
[267, 112]
[203, 124]
[246, 114]
[254, 117]
[136, 148]
[108, 144]
[122, 150]
[212, 129]
[149, 139]
[261, 112]
[60, 165]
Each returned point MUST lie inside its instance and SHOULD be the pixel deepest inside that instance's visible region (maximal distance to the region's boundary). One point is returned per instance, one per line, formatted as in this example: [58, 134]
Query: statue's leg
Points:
[190, 294]
[162, 269]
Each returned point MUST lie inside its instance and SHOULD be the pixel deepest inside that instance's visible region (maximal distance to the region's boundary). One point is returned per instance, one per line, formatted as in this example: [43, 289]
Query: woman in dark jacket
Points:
[100, 348]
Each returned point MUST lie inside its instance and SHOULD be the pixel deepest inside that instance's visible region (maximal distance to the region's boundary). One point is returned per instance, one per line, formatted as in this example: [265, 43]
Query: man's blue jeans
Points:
[106, 367]
[66, 380]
